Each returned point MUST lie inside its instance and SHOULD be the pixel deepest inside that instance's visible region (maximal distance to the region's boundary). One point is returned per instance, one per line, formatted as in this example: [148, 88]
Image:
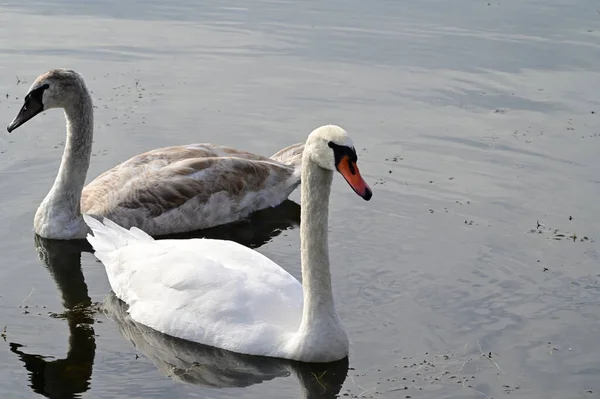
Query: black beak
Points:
[30, 109]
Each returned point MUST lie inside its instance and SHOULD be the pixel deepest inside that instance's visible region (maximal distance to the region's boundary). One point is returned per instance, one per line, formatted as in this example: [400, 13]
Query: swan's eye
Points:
[26, 103]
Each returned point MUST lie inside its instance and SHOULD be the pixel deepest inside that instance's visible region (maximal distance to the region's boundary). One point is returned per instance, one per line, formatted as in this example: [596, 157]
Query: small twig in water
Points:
[540, 225]
[479, 392]
[27, 297]
[368, 391]
[364, 390]
[463, 365]
[466, 361]
[318, 378]
[489, 357]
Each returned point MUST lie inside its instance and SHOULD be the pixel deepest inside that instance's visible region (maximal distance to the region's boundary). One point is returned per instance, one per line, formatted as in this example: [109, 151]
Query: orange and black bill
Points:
[349, 170]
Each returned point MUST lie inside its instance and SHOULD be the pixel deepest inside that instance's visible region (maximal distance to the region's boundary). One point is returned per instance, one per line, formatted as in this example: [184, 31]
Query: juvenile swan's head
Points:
[57, 88]
[331, 148]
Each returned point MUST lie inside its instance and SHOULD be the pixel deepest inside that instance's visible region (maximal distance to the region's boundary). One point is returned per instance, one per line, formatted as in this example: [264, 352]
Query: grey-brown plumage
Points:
[184, 188]
[163, 191]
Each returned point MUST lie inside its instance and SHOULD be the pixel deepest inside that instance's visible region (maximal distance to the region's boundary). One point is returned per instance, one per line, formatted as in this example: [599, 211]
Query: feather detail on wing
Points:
[290, 155]
[207, 184]
[214, 292]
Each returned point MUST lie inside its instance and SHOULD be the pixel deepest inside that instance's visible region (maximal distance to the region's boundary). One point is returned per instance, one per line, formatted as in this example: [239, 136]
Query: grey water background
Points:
[473, 120]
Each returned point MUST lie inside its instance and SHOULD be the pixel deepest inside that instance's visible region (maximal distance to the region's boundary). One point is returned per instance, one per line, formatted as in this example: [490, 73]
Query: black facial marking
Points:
[37, 93]
[32, 105]
[34, 97]
[341, 151]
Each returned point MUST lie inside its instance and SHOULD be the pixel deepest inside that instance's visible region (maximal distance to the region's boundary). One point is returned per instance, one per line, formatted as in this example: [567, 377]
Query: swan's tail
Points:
[290, 155]
[109, 236]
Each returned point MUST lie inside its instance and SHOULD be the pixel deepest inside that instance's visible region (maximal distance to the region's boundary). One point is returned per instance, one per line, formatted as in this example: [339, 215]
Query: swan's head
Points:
[57, 88]
[331, 148]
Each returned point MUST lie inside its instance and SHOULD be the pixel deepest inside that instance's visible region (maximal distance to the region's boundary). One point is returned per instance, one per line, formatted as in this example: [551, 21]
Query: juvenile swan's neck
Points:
[59, 215]
[320, 329]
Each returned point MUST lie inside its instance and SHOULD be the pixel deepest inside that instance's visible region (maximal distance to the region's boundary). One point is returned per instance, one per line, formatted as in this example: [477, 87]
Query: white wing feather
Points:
[214, 292]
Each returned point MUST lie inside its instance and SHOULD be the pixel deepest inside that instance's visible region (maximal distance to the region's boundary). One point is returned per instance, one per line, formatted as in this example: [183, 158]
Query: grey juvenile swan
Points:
[163, 191]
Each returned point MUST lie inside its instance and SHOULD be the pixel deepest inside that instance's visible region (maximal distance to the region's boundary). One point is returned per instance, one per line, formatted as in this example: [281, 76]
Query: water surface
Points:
[474, 121]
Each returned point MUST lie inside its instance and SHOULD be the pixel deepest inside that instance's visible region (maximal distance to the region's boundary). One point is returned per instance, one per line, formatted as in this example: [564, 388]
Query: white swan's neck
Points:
[59, 215]
[320, 329]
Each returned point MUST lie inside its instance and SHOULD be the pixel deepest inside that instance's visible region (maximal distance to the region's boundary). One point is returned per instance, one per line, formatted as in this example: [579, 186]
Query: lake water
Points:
[474, 272]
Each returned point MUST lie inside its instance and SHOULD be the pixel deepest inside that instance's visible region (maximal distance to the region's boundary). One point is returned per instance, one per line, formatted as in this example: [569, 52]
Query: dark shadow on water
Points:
[70, 376]
[255, 231]
[198, 364]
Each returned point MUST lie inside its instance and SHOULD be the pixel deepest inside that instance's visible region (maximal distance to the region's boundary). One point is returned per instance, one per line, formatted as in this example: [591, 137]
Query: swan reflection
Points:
[69, 377]
[197, 364]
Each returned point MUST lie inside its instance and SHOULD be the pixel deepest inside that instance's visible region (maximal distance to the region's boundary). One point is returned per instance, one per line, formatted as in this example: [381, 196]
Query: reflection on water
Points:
[63, 261]
[474, 120]
[204, 365]
[260, 227]
[67, 377]
[70, 376]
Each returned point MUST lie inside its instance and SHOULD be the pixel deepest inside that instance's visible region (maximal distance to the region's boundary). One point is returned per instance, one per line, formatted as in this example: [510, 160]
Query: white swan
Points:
[164, 191]
[222, 294]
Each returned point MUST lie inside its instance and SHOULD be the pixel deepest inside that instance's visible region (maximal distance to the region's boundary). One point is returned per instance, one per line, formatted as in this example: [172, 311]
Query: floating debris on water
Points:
[557, 235]
[414, 375]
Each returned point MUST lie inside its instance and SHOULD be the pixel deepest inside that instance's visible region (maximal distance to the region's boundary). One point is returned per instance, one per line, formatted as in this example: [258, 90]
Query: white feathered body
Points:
[220, 293]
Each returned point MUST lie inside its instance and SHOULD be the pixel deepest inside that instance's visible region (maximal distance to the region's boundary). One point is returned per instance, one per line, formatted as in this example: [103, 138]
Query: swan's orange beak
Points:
[350, 171]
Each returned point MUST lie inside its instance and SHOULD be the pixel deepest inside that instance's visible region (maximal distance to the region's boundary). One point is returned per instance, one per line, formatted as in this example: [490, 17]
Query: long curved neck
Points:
[318, 307]
[64, 199]
[78, 149]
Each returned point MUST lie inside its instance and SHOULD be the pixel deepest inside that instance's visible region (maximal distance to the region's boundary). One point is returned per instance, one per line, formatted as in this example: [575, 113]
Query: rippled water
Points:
[474, 121]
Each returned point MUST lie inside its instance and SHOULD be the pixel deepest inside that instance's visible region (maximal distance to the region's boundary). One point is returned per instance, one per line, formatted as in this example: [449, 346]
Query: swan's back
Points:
[220, 293]
[191, 187]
